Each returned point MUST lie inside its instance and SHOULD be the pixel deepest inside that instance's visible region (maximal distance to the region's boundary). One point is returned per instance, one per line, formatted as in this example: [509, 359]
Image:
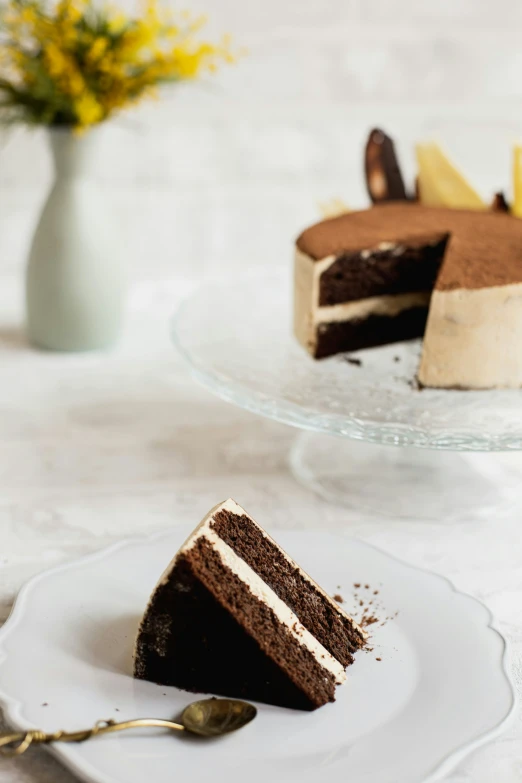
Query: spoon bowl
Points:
[214, 717]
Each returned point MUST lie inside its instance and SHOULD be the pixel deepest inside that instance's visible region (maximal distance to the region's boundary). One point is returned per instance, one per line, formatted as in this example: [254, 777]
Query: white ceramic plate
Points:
[440, 689]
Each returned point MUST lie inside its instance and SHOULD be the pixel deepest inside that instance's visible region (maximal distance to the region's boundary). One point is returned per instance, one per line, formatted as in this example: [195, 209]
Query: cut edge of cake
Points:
[469, 316]
[320, 329]
[230, 505]
[262, 596]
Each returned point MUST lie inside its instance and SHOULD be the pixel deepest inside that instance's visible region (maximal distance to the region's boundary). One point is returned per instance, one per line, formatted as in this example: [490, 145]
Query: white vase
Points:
[74, 282]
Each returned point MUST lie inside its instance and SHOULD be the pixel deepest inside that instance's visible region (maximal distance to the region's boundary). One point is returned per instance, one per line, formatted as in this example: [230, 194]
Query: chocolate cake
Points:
[402, 270]
[234, 615]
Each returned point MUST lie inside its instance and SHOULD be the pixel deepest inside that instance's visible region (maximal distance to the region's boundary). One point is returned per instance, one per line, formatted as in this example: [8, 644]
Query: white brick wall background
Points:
[227, 172]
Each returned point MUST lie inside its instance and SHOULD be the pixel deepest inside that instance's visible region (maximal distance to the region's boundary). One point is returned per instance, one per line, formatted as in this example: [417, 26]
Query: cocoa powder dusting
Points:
[476, 238]
[368, 612]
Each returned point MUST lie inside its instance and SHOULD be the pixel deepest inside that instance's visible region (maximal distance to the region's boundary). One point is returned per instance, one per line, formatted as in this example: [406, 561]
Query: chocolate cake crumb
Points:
[356, 362]
[370, 612]
[45, 704]
[378, 659]
[338, 598]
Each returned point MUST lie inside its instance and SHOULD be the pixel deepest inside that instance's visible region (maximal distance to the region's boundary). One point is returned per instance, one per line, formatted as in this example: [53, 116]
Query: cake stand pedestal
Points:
[394, 453]
[403, 483]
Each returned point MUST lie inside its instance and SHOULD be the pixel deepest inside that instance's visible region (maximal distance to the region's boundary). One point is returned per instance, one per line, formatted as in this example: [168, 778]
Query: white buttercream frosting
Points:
[304, 279]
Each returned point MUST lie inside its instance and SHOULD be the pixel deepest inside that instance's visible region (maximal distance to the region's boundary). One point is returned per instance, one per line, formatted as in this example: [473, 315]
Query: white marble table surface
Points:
[96, 448]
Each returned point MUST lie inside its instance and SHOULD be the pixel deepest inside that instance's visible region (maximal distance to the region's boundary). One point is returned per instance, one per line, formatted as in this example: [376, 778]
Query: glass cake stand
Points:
[236, 337]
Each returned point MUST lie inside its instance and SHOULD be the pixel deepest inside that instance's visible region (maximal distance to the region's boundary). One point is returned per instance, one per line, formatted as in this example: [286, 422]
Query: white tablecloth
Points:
[95, 448]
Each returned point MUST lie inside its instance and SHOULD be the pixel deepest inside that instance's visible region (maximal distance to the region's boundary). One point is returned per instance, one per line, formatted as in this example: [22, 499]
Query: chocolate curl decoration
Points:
[383, 175]
[499, 203]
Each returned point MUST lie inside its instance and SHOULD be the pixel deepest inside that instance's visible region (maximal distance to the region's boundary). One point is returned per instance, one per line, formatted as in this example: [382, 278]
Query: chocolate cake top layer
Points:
[484, 248]
[325, 620]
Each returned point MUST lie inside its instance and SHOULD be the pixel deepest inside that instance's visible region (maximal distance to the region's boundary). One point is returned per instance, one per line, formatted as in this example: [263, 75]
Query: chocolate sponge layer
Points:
[396, 270]
[356, 334]
[319, 615]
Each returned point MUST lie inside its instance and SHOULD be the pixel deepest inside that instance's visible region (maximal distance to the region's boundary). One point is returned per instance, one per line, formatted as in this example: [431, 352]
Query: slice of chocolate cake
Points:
[234, 615]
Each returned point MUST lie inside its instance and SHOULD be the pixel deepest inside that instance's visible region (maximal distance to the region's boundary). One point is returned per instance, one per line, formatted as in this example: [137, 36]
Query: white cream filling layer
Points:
[308, 316]
[235, 508]
[390, 305]
[267, 596]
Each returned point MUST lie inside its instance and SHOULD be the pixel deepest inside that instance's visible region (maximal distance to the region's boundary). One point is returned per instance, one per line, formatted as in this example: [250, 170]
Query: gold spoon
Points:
[207, 718]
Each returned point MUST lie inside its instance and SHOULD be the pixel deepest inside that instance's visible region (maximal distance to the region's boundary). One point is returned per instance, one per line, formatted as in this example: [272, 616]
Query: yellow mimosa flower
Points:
[97, 50]
[28, 16]
[117, 23]
[106, 65]
[152, 15]
[55, 60]
[79, 62]
[88, 110]
[172, 31]
[73, 11]
[74, 84]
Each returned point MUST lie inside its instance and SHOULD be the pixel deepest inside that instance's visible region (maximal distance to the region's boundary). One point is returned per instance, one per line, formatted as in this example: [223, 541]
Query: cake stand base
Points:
[406, 483]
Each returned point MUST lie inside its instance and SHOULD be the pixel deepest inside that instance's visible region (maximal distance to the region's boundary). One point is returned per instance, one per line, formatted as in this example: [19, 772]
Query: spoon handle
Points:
[17, 743]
